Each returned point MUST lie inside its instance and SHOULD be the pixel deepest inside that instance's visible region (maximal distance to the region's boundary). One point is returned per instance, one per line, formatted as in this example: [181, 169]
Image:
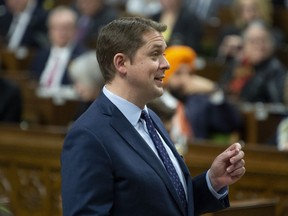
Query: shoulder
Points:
[108, 12]
[9, 88]
[78, 50]
[273, 66]
[41, 55]
[97, 115]
[39, 12]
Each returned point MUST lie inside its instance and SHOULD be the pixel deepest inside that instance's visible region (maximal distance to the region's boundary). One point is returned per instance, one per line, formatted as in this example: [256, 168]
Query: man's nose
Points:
[165, 63]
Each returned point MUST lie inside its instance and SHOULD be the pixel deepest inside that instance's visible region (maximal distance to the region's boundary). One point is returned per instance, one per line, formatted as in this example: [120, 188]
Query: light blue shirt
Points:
[133, 113]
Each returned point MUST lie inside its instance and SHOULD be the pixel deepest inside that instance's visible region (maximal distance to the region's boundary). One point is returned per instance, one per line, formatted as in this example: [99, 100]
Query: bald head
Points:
[62, 26]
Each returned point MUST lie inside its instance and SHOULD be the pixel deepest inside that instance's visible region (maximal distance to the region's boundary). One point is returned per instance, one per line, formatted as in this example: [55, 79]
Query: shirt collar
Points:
[129, 110]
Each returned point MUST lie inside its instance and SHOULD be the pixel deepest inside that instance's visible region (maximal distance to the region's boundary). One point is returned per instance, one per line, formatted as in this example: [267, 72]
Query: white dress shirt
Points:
[55, 67]
[19, 25]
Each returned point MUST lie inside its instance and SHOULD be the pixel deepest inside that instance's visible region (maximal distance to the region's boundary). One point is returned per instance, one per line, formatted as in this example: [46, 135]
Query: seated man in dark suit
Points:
[10, 101]
[183, 27]
[93, 15]
[23, 24]
[118, 158]
[50, 66]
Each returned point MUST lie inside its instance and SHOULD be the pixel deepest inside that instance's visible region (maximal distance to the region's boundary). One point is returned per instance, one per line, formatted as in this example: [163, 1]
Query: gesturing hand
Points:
[228, 167]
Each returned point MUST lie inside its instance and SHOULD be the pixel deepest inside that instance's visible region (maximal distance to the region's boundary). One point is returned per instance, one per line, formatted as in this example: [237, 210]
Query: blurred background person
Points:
[282, 135]
[50, 65]
[93, 14]
[144, 8]
[256, 74]
[244, 12]
[23, 24]
[87, 79]
[183, 27]
[10, 101]
[207, 10]
[171, 112]
[280, 3]
[208, 113]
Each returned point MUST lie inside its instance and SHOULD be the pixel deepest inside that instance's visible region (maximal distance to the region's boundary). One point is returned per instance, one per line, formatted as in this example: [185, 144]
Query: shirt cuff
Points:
[217, 97]
[221, 193]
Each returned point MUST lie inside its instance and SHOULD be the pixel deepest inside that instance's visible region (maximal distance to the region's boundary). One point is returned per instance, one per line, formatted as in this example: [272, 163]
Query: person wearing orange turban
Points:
[176, 56]
[202, 110]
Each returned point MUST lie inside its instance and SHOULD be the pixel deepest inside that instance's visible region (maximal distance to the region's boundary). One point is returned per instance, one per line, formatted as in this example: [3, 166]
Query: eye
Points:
[156, 53]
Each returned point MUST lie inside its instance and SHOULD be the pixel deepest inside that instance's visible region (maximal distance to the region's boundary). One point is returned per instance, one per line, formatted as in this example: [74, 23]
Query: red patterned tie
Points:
[52, 72]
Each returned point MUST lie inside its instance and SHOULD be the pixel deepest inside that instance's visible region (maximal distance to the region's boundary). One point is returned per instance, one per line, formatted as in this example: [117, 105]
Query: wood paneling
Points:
[30, 169]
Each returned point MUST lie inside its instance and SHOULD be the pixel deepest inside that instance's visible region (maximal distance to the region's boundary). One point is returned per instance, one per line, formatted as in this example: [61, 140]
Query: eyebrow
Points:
[157, 46]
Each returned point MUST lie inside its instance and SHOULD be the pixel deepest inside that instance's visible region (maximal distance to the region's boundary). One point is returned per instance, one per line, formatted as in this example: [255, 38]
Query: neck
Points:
[127, 94]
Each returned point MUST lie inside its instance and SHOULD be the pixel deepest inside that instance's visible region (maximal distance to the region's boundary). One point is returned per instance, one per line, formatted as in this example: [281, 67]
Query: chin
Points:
[155, 94]
[160, 91]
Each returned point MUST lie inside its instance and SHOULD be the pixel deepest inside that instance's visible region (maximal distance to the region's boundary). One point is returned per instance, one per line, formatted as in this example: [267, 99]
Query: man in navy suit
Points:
[10, 101]
[93, 15]
[111, 165]
[23, 24]
[50, 65]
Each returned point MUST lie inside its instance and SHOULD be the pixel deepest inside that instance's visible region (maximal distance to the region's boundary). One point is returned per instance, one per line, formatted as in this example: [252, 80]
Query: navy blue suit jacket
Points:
[98, 20]
[35, 35]
[108, 169]
[41, 58]
[10, 101]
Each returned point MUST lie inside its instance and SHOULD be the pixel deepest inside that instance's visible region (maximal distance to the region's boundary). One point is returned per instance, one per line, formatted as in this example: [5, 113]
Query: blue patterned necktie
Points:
[165, 158]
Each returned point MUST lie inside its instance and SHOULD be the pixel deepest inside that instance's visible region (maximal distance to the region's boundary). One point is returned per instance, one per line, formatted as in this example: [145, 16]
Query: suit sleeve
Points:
[87, 178]
[204, 200]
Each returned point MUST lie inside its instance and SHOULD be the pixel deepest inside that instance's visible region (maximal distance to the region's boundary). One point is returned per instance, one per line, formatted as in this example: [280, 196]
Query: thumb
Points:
[230, 152]
[236, 146]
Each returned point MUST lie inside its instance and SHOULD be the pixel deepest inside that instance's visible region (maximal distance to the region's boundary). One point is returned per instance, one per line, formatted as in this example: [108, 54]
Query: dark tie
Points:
[165, 158]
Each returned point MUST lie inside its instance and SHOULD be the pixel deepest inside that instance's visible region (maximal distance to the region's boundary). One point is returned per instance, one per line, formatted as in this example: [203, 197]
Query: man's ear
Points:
[120, 62]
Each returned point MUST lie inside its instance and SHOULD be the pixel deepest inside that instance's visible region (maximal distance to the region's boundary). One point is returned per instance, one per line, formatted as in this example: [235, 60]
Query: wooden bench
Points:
[30, 169]
[38, 110]
[261, 121]
[255, 207]
[15, 61]
[266, 172]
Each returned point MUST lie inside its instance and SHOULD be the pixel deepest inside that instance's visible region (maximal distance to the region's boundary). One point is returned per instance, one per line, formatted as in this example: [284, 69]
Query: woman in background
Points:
[87, 79]
[256, 74]
[245, 12]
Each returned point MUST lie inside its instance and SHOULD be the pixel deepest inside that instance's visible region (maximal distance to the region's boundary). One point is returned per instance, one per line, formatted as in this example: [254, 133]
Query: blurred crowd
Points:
[244, 37]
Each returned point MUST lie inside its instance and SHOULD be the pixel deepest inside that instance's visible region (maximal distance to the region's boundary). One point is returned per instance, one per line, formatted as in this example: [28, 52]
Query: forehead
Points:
[256, 32]
[62, 18]
[247, 2]
[153, 40]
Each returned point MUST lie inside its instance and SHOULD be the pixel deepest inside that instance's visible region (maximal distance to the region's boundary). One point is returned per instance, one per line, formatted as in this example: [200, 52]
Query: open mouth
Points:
[158, 79]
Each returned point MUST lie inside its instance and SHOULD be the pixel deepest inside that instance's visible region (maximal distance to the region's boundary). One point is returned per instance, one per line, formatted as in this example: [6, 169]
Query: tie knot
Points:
[145, 116]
